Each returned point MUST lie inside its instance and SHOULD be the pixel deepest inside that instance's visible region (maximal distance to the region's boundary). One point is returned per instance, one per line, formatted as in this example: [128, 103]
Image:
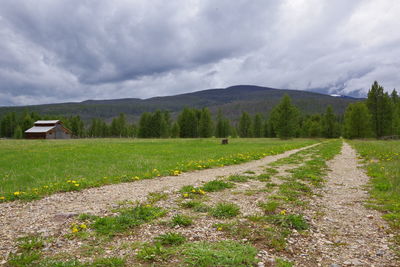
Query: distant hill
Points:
[232, 101]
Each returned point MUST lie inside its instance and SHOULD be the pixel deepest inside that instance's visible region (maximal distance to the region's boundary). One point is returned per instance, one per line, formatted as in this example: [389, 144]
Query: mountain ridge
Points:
[231, 100]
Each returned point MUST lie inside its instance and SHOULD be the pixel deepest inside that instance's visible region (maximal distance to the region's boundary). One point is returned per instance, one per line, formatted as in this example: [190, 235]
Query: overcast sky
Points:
[73, 50]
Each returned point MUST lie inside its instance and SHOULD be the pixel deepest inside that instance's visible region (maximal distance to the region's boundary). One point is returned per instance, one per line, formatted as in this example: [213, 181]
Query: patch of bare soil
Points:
[51, 216]
[344, 232]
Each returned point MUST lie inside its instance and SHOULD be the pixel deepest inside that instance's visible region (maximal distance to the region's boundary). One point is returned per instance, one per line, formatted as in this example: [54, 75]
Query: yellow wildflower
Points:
[76, 185]
[219, 228]
[75, 229]
[201, 192]
[186, 195]
[148, 205]
[17, 193]
[2, 198]
[283, 212]
[83, 226]
[193, 191]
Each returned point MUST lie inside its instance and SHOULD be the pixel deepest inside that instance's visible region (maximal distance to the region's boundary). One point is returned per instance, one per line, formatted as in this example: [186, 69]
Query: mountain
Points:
[232, 101]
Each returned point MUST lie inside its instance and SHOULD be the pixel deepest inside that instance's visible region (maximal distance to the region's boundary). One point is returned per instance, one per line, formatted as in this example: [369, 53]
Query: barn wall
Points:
[35, 135]
[61, 132]
[51, 135]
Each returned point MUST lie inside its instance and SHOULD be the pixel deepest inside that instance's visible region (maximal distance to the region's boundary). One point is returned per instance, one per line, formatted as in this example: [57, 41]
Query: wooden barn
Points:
[48, 130]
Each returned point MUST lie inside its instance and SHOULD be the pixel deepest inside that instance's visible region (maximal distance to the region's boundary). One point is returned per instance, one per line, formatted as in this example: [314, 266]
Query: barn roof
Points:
[47, 122]
[39, 129]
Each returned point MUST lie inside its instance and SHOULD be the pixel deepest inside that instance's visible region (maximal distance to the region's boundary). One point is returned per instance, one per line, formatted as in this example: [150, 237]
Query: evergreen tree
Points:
[188, 123]
[8, 124]
[144, 125]
[93, 130]
[232, 131]
[158, 125]
[394, 96]
[222, 129]
[98, 128]
[118, 126]
[314, 129]
[18, 133]
[257, 126]
[75, 124]
[175, 130]
[311, 126]
[131, 130]
[357, 121]
[381, 109]
[27, 122]
[329, 123]
[167, 119]
[284, 118]
[205, 124]
[245, 125]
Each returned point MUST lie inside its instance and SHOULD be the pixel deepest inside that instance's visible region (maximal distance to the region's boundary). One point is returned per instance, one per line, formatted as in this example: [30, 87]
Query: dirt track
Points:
[345, 232]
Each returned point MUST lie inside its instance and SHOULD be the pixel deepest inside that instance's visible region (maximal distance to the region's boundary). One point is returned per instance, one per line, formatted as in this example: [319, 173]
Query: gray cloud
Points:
[56, 51]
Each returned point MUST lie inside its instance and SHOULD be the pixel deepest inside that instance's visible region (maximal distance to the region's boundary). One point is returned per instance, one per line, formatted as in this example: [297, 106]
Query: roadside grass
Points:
[170, 238]
[155, 253]
[195, 205]
[125, 220]
[202, 254]
[382, 159]
[269, 207]
[283, 263]
[223, 253]
[154, 197]
[30, 169]
[257, 231]
[30, 254]
[238, 178]
[225, 210]
[216, 185]
[181, 220]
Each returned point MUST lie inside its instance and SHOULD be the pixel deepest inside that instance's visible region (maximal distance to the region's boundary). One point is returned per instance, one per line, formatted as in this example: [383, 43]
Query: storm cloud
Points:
[73, 50]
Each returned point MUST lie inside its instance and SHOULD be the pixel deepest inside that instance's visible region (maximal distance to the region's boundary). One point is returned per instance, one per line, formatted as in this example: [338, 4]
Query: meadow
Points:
[382, 160]
[30, 169]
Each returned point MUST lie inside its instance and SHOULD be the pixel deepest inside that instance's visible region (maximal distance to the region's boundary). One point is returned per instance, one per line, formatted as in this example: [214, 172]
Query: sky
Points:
[54, 51]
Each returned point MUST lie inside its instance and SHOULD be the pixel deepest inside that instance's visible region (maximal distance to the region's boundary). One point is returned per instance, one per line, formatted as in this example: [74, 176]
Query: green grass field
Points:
[33, 168]
[383, 165]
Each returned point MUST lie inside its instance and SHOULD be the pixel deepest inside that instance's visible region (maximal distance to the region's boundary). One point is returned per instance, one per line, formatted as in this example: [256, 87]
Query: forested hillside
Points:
[232, 101]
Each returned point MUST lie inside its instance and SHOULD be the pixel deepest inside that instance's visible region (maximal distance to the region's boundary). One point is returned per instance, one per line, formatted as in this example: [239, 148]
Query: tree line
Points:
[377, 116]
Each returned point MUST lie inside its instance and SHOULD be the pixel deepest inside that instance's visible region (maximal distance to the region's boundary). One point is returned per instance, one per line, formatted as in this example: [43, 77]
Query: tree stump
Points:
[224, 141]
